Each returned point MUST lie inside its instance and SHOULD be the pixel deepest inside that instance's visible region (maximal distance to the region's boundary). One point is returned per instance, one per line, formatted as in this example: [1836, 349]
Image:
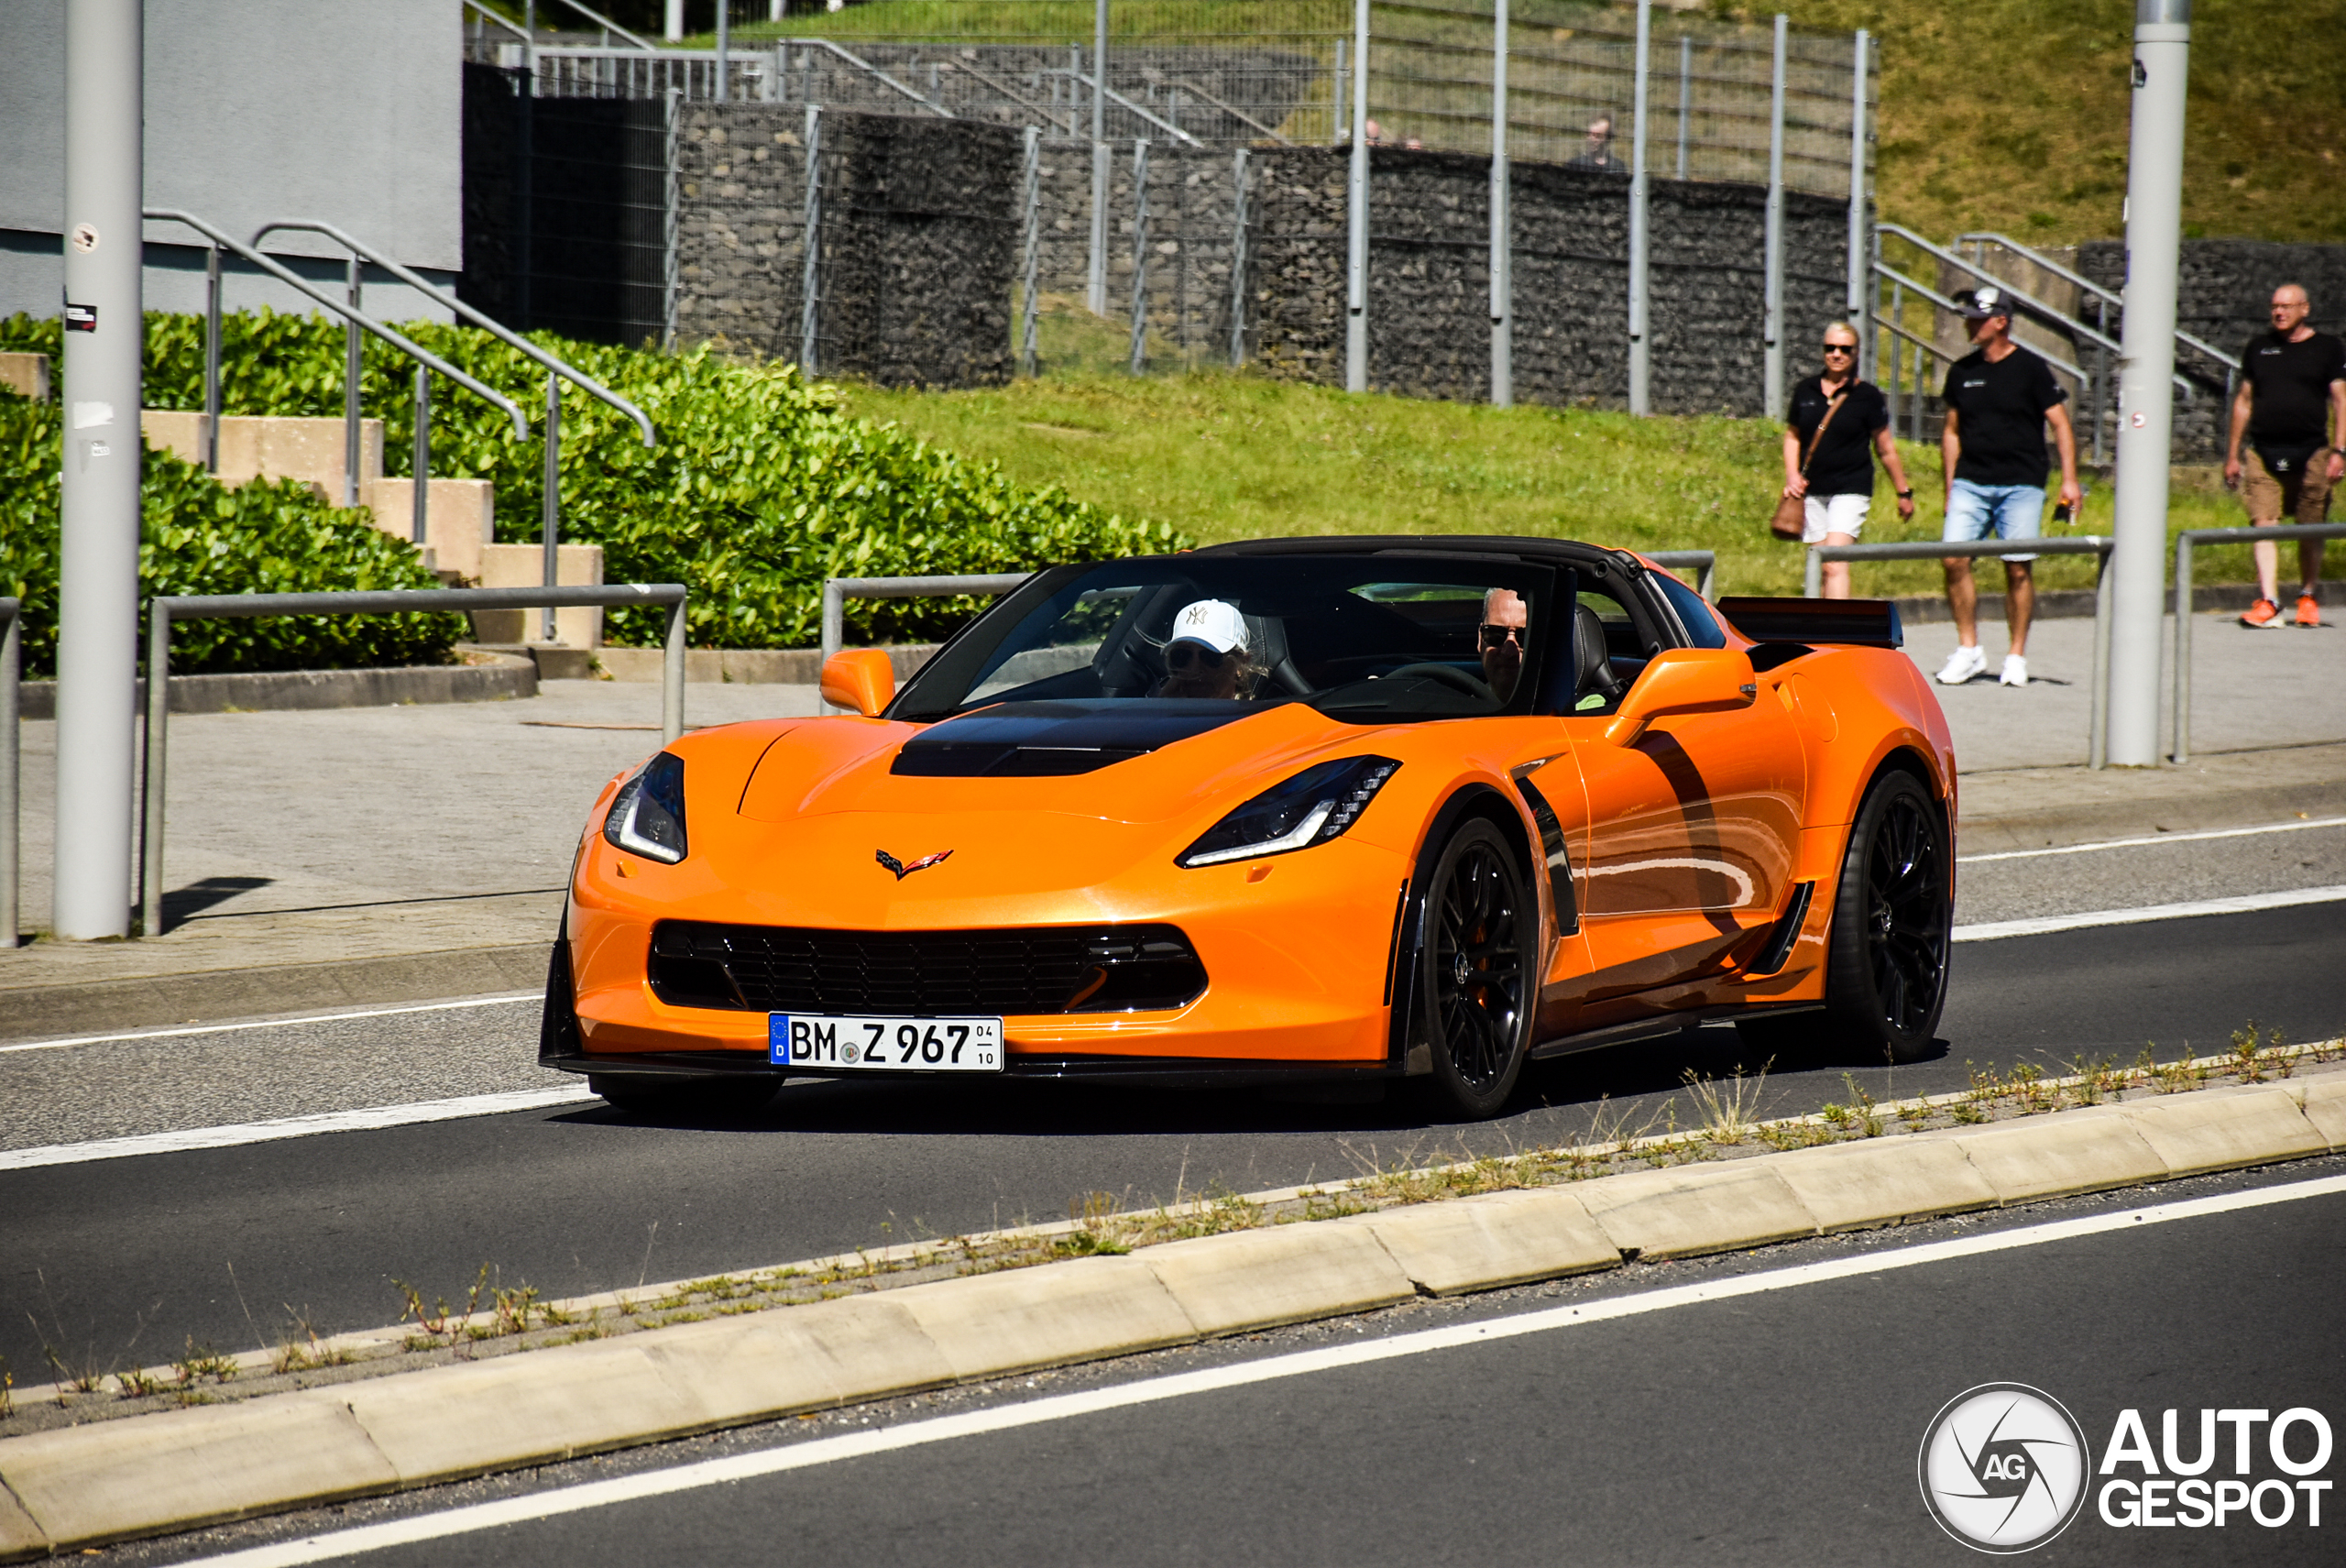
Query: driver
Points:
[1500, 638]
[1207, 654]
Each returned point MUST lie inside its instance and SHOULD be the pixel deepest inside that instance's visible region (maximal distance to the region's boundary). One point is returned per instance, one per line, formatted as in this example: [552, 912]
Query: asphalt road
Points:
[1773, 1427]
[124, 1262]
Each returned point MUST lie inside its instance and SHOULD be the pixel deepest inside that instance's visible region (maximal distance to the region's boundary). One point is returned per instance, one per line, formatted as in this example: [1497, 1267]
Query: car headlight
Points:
[1313, 807]
[647, 816]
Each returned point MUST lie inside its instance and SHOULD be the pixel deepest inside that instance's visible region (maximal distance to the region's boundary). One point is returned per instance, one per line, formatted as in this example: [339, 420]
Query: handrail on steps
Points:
[2039, 259]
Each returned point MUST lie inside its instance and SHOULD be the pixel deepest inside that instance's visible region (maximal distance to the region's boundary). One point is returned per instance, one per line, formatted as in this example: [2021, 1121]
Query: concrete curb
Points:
[117, 1480]
[153, 1001]
[502, 677]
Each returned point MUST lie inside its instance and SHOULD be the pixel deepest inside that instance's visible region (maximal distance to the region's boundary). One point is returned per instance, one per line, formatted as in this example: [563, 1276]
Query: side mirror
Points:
[1684, 680]
[862, 680]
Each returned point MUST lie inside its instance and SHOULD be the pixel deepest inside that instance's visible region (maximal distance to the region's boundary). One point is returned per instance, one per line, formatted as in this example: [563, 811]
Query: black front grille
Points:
[1014, 972]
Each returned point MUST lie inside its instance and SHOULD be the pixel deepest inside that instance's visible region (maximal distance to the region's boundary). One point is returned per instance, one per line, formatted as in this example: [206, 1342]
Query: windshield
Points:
[1369, 637]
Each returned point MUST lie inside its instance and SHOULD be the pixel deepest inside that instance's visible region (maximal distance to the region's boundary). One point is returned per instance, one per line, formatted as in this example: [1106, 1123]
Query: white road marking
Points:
[813, 1451]
[506, 1000]
[370, 1119]
[2154, 839]
[2243, 903]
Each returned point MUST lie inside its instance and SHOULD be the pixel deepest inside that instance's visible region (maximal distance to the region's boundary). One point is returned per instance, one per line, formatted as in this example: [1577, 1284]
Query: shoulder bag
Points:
[1791, 521]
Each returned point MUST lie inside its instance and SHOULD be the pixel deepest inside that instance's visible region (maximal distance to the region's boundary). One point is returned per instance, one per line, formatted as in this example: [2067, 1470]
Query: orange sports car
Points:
[1420, 808]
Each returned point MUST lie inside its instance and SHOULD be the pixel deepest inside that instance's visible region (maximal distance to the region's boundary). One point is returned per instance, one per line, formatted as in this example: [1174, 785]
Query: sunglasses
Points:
[1187, 655]
[1492, 636]
[1840, 349]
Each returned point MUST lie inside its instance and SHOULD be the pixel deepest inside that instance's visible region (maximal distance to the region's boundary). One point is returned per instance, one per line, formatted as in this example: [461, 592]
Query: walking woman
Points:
[1837, 423]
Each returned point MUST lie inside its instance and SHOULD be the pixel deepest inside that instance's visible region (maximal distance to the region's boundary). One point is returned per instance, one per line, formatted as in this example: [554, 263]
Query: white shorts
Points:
[1834, 514]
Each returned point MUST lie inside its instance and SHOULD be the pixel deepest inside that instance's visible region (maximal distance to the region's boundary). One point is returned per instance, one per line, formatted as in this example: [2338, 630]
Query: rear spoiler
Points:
[1873, 623]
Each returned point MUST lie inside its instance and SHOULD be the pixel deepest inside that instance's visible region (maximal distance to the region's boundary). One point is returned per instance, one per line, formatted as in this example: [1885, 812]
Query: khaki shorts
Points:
[2301, 497]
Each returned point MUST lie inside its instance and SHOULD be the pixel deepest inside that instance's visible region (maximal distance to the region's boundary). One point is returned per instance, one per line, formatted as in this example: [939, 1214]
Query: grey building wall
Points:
[347, 110]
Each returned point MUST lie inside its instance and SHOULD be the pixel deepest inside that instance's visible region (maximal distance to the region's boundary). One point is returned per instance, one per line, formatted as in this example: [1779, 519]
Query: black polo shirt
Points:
[2289, 408]
[1843, 464]
[2001, 408]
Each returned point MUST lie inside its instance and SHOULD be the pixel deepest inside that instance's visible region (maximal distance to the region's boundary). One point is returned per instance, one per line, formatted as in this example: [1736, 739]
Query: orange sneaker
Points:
[2308, 612]
[2264, 615]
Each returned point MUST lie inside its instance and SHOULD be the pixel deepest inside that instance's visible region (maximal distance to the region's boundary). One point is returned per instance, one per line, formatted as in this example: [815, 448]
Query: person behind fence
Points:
[1998, 399]
[1598, 154]
[1206, 655]
[1837, 423]
[2291, 409]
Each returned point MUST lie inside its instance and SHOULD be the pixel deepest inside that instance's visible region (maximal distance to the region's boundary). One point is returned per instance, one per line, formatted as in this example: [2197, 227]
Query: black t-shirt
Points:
[2001, 416]
[1843, 464]
[2289, 412]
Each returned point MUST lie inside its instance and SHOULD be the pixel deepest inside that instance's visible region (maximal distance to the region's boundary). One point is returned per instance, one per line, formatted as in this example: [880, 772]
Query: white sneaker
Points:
[1961, 665]
[2015, 671]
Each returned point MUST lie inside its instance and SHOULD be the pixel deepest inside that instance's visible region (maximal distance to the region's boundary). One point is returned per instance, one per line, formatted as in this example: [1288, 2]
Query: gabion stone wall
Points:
[1191, 238]
[918, 240]
[1430, 280]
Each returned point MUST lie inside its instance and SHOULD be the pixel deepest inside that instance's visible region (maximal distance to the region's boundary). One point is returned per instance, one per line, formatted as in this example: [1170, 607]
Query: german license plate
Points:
[885, 1045]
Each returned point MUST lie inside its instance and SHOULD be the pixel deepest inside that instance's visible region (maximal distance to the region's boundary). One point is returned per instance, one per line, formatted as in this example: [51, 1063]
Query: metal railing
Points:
[836, 591]
[550, 523]
[1705, 563]
[2187, 541]
[2097, 729]
[349, 311]
[2107, 296]
[163, 611]
[12, 614]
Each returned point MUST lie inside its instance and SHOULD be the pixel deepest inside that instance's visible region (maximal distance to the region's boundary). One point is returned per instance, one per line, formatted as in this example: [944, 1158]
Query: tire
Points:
[1893, 920]
[1474, 993]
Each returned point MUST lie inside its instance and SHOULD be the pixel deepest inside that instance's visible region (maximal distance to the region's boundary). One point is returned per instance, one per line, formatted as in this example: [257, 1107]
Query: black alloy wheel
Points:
[1893, 922]
[1475, 990]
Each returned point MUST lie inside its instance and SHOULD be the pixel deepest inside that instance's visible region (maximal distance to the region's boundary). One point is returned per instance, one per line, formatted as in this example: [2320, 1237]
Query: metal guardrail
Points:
[2097, 731]
[163, 610]
[11, 668]
[836, 591]
[2187, 541]
[1705, 561]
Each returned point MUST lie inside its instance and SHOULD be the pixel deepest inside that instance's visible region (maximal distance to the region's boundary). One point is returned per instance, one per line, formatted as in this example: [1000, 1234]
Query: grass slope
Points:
[1232, 457]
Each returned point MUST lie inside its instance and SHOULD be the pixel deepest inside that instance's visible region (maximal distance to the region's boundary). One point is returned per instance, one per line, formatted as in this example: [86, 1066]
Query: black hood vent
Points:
[1053, 739]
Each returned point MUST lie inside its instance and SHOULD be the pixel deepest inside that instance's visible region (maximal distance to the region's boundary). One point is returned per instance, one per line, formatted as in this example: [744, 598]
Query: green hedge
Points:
[758, 489]
[199, 537]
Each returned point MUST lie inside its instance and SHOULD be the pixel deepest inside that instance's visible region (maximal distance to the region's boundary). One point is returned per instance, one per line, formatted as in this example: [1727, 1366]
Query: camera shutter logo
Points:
[2003, 1467]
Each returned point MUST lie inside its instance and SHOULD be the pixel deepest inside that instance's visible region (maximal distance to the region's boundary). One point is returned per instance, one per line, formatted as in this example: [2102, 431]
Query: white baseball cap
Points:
[1214, 622]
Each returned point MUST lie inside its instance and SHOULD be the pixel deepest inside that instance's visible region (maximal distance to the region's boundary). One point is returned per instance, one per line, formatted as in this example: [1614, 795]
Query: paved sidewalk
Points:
[384, 855]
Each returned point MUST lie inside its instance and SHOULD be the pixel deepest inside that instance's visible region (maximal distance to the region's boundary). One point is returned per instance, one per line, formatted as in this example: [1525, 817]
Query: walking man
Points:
[2292, 409]
[1998, 399]
[1834, 472]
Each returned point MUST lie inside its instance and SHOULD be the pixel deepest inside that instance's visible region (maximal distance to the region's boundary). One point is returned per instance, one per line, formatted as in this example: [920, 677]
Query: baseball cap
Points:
[1214, 622]
[1979, 304]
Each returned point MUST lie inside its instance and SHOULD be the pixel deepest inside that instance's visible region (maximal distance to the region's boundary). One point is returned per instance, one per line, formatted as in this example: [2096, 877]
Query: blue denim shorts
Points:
[2000, 511]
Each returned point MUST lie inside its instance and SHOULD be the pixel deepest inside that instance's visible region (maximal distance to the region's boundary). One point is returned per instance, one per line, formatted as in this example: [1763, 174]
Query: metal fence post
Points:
[11, 668]
[724, 44]
[1772, 321]
[212, 360]
[1855, 297]
[1238, 258]
[672, 224]
[811, 245]
[1356, 216]
[672, 676]
[352, 367]
[1336, 97]
[1097, 283]
[158, 738]
[418, 518]
[1686, 97]
[2097, 750]
[1031, 254]
[1812, 582]
[2183, 560]
[1140, 256]
[550, 523]
[1503, 229]
[1640, 361]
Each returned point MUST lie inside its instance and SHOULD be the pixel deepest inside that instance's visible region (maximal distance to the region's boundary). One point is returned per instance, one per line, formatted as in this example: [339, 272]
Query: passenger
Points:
[1207, 655]
[1500, 637]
